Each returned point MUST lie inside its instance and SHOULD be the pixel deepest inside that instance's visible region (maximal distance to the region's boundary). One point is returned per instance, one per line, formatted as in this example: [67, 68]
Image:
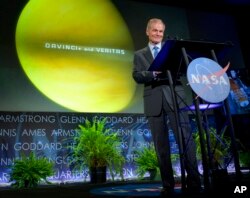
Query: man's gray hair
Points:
[154, 20]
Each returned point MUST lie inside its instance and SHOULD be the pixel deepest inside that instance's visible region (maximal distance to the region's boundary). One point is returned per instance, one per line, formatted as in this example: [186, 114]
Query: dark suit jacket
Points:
[154, 90]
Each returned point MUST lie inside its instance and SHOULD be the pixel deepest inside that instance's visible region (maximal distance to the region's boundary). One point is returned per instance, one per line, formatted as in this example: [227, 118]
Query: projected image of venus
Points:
[78, 53]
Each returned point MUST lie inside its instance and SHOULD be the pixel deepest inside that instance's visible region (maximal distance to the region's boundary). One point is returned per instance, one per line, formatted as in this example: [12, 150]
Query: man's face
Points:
[155, 32]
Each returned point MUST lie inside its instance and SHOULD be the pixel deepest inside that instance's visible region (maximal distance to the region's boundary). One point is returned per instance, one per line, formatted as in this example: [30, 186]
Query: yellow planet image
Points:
[78, 53]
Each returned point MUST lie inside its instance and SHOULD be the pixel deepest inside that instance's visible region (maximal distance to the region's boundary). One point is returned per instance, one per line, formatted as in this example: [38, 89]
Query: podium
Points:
[173, 60]
[176, 55]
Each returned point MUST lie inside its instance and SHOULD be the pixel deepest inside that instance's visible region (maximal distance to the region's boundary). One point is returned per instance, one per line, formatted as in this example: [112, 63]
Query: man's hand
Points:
[156, 73]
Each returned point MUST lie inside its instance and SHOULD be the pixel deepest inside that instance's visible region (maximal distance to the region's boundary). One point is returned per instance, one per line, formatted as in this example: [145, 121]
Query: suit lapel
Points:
[148, 56]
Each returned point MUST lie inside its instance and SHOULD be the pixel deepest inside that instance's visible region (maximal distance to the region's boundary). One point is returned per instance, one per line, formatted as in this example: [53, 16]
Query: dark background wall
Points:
[237, 9]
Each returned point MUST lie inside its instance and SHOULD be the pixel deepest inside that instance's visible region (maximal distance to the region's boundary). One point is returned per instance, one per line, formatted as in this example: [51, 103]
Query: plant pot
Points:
[152, 174]
[98, 174]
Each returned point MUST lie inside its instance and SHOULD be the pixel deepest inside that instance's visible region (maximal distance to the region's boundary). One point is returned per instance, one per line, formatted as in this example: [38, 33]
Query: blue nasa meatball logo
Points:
[208, 80]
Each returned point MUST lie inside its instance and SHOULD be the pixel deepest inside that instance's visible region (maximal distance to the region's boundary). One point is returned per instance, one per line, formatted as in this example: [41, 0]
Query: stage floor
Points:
[125, 189]
[132, 190]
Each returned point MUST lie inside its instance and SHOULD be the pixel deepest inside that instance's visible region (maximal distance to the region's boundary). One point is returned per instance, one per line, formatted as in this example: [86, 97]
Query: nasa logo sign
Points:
[208, 80]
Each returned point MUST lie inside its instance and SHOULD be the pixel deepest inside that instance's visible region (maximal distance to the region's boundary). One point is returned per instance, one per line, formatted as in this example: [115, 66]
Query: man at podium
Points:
[158, 108]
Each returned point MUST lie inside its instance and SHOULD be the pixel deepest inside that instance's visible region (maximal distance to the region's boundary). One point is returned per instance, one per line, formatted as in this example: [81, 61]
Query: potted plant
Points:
[146, 162]
[244, 157]
[219, 146]
[220, 152]
[98, 149]
[28, 172]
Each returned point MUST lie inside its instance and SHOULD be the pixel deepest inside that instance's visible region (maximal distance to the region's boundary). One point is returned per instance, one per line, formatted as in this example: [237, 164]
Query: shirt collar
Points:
[152, 45]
